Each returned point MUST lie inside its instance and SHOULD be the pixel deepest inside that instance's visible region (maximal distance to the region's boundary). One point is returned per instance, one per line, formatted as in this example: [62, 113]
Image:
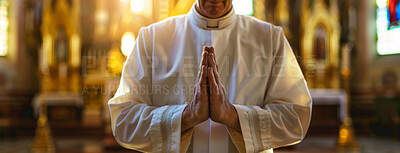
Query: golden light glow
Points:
[125, 1]
[115, 61]
[127, 43]
[101, 16]
[137, 6]
[3, 27]
[75, 50]
[343, 133]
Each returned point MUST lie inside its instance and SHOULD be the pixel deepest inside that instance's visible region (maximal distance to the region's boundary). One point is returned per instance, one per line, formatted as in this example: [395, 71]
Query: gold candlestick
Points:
[347, 139]
[43, 142]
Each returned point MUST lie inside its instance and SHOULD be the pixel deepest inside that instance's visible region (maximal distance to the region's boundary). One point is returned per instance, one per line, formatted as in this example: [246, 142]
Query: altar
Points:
[329, 110]
[63, 109]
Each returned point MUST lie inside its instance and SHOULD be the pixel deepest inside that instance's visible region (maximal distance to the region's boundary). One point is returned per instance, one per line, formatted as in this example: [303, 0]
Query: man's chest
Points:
[244, 74]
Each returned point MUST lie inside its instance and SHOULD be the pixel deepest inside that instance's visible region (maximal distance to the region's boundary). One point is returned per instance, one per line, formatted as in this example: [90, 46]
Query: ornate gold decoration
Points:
[43, 142]
[65, 17]
[319, 16]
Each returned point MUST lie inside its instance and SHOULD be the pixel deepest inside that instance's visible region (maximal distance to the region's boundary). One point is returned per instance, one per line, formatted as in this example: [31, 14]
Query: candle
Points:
[346, 56]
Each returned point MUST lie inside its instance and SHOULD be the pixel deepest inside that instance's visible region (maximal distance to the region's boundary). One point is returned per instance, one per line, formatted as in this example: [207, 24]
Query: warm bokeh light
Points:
[102, 16]
[137, 6]
[244, 7]
[127, 43]
[115, 61]
[3, 27]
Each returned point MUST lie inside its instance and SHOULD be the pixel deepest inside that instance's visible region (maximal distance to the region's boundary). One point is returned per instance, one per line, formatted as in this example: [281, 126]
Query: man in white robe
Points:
[246, 93]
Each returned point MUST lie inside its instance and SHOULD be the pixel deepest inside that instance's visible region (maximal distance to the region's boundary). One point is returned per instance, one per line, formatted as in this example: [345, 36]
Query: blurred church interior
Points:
[61, 61]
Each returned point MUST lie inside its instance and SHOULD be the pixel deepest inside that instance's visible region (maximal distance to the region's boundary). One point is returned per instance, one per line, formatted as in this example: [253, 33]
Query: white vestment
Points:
[257, 67]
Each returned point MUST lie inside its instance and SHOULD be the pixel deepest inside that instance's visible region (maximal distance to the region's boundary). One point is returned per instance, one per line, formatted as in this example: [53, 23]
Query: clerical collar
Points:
[208, 23]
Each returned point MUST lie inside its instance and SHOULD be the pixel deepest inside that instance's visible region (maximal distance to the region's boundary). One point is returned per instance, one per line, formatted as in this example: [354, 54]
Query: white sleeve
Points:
[285, 116]
[137, 123]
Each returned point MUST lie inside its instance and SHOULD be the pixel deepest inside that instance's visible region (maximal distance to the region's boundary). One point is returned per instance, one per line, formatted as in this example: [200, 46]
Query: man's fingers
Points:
[206, 48]
[204, 58]
[213, 84]
[203, 79]
[211, 61]
[216, 74]
[223, 89]
[211, 50]
[203, 75]
[203, 62]
[215, 68]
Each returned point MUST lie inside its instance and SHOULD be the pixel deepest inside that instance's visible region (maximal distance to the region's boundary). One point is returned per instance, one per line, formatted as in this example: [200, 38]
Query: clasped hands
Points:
[209, 98]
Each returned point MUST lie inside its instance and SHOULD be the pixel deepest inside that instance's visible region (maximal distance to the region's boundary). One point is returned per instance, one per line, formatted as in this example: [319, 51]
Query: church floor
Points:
[312, 144]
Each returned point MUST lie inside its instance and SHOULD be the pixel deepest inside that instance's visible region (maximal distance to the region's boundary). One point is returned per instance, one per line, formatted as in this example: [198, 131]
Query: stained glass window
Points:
[388, 27]
[3, 27]
[244, 7]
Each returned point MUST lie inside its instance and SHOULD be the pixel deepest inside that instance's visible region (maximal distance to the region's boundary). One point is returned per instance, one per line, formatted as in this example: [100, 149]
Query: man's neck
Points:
[211, 23]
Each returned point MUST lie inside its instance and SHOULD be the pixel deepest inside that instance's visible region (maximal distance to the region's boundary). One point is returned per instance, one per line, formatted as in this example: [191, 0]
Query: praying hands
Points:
[209, 98]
